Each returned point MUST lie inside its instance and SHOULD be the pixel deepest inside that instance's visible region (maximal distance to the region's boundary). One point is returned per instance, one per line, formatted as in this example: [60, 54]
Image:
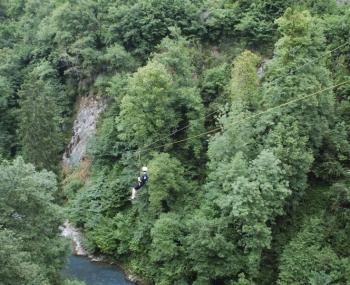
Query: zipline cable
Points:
[247, 118]
[217, 111]
[178, 130]
[311, 61]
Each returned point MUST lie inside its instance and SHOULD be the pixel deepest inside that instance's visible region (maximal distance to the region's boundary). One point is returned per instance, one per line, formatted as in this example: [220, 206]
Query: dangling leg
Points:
[133, 194]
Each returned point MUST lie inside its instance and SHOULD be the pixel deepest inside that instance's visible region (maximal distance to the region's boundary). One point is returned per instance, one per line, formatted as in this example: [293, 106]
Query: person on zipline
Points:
[141, 181]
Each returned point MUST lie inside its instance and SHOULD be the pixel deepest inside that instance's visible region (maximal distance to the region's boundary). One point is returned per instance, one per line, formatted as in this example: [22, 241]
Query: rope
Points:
[214, 112]
[249, 117]
[178, 130]
[312, 61]
[139, 159]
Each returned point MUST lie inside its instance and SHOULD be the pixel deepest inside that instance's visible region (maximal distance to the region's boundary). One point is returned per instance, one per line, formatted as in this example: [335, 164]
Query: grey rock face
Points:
[262, 68]
[342, 2]
[70, 232]
[83, 129]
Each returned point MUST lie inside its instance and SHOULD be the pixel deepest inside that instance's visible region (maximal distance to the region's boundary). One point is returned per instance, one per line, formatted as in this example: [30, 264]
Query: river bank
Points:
[89, 109]
[75, 235]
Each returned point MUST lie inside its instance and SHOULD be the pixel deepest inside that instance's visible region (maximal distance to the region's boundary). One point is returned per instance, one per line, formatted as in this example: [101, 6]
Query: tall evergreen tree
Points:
[7, 132]
[39, 128]
[298, 131]
[244, 79]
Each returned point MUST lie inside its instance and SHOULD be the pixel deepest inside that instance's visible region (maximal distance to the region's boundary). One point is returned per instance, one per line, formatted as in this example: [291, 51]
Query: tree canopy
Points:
[239, 109]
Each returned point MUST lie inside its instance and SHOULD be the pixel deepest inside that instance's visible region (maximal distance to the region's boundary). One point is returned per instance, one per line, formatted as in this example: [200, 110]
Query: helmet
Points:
[144, 169]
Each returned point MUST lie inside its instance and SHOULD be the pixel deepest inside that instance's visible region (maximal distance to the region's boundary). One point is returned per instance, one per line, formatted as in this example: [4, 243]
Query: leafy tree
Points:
[73, 36]
[242, 280]
[213, 83]
[178, 59]
[339, 217]
[250, 20]
[12, 8]
[39, 129]
[320, 278]
[238, 172]
[244, 79]
[243, 199]
[47, 73]
[105, 148]
[219, 20]
[290, 76]
[163, 86]
[149, 89]
[10, 79]
[256, 22]
[6, 116]
[168, 186]
[114, 235]
[238, 213]
[336, 32]
[291, 148]
[116, 58]
[29, 225]
[167, 249]
[17, 266]
[308, 259]
[210, 249]
[11, 66]
[321, 7]
[141, 25]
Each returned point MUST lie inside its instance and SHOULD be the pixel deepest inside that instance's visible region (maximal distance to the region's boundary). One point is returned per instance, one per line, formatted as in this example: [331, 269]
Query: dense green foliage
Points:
[263, 199]
[39, 126]
[31, 250]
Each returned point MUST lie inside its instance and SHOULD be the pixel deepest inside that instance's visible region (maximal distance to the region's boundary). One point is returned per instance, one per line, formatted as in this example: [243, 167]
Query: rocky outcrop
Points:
[262, 68]
[84, 128]
[342, 2]
[70, 232]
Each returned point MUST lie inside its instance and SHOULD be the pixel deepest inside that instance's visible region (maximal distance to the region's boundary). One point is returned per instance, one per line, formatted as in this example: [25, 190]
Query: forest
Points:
[240, 109]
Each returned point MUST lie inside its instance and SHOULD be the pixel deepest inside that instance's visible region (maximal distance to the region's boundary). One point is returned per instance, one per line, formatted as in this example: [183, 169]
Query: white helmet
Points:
[144, 169]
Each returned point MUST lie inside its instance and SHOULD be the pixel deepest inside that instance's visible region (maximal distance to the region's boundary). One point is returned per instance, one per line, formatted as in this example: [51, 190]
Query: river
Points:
[79, 266]
[94, 273]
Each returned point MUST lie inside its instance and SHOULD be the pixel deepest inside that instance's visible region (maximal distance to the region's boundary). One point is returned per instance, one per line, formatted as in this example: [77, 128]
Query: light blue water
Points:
[94, 273]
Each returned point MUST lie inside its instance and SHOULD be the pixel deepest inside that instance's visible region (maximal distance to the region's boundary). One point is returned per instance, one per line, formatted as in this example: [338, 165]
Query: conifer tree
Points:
[244, 79]
[7, 132]
[39, 128]
[297, 131]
